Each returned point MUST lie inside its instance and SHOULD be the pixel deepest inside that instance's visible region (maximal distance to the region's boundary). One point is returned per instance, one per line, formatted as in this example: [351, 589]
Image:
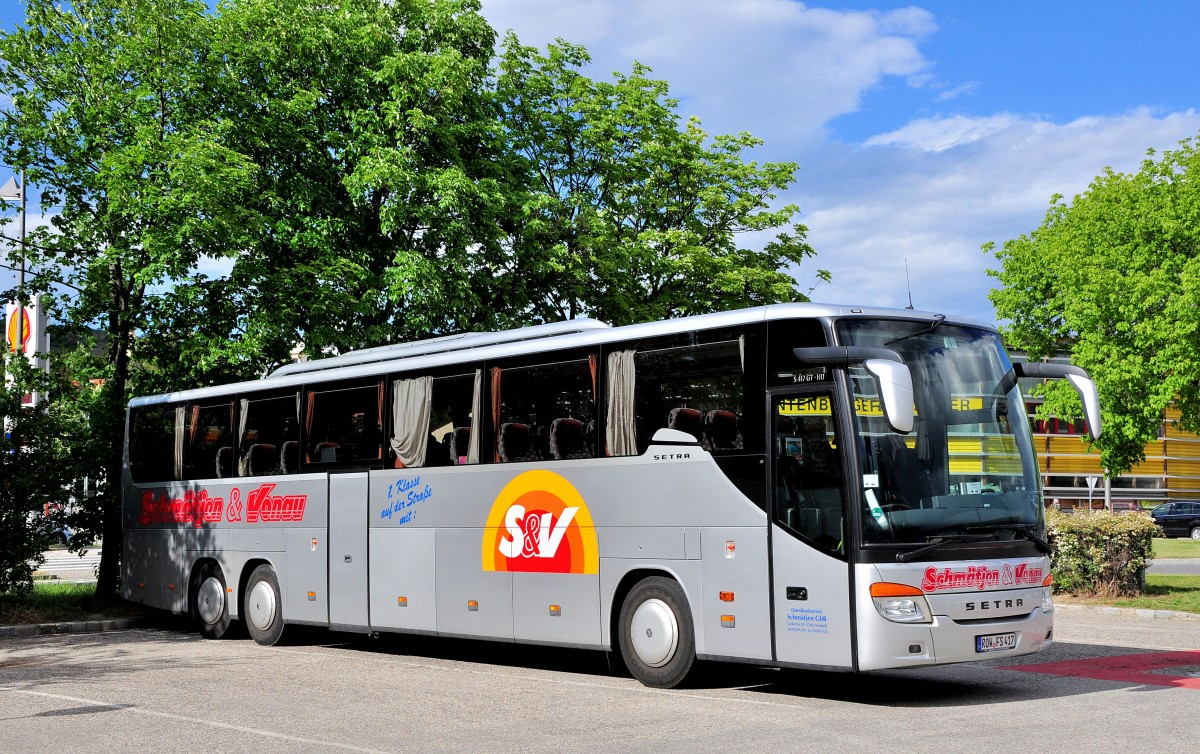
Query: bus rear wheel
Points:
[656, 636]
[207, 598]
[264, 607]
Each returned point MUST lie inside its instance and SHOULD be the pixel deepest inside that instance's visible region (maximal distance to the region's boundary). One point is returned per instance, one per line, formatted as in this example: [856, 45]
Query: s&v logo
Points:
[539, 523]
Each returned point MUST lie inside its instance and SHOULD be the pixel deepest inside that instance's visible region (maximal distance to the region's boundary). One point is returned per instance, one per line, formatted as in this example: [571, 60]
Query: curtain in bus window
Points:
[495, 414]
[476, 418]
[411, 406]
[179, 442]
[243, 415]
[620, 428]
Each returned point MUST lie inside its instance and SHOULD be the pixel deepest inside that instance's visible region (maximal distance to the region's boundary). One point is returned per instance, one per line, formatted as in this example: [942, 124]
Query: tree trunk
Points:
[112, 425]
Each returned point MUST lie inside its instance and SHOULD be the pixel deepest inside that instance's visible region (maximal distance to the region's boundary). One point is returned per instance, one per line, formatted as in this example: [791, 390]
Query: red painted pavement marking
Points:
[1141, 668]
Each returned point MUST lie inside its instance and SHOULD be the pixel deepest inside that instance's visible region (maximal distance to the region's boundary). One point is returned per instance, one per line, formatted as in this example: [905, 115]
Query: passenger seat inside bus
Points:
[721, 430]
[224, 462]
[289, 457]
[566, 439]
[460, 445]
[260, 459]
[514, 445]
[687, 420]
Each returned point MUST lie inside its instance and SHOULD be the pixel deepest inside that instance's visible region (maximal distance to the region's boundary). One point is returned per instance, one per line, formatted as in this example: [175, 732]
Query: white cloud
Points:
[776, 68]
[932, 191]
[936, 190]
[961, 90]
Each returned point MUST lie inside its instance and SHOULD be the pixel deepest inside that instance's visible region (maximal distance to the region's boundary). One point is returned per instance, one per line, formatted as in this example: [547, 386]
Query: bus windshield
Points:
[968, 468]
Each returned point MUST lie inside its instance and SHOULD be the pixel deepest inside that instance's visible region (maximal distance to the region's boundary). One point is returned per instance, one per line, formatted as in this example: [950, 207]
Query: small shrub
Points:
[1100, 553]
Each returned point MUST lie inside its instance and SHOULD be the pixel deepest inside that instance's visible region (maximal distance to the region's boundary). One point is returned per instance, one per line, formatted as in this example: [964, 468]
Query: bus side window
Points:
[808, 497]
[693, 388]
[545, 412]
[431, 421]
[268, 436]
[342, 423]
[208, 430]
[153, 447]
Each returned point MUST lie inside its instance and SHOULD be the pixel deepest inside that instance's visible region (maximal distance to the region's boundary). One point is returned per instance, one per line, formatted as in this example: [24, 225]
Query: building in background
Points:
[1072, 475]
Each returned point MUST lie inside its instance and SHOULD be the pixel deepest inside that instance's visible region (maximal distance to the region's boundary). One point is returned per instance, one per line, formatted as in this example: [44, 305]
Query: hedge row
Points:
[1100, 553]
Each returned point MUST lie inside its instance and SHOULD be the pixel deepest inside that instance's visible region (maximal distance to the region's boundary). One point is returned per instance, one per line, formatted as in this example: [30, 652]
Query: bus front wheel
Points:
[209, 606]
[656, 636]
[264, 608]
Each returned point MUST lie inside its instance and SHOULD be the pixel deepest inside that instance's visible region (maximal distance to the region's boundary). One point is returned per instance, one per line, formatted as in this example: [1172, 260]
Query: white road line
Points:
[198, 721]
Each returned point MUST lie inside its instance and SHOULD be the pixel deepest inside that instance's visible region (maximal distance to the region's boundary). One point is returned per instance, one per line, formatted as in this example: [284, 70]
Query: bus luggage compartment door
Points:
[348, 603]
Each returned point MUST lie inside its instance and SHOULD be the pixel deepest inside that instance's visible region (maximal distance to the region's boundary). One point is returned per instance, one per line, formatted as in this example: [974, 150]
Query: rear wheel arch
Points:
[208, 598]
[626, 585]
[656, 634]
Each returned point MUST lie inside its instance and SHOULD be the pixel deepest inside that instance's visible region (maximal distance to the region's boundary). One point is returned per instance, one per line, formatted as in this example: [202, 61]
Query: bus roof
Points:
[451, 349]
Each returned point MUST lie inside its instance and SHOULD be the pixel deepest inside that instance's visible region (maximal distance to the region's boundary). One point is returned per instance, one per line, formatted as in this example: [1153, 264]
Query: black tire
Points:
[262, 610]
[664, 647]
[1195, 533]
[208, 601]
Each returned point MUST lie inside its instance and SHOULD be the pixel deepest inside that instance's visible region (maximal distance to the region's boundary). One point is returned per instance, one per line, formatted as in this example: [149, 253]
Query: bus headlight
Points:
[1048, 594]
[901, 603]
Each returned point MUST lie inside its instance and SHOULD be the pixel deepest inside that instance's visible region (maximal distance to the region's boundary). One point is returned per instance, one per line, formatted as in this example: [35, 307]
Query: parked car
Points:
[1178, 519]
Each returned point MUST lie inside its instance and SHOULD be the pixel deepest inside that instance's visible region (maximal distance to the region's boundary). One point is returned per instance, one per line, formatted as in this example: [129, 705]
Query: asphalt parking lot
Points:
[1110, 682]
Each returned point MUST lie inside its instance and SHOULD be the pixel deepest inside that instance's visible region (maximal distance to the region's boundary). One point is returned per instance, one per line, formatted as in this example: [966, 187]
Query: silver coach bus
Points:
[796, 485]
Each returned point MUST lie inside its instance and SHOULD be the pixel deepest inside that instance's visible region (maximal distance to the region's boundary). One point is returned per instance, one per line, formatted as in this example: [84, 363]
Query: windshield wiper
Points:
[938, 319]
[934, 544]
[1024, 530]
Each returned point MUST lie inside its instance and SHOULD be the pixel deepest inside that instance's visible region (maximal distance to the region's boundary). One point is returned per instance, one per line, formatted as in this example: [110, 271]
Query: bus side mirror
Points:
[1079, 379]
[891, 374]
[895, 392]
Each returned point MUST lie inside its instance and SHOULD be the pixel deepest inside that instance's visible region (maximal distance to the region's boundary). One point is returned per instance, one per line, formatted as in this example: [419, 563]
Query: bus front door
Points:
[810, 572]
[348, 603]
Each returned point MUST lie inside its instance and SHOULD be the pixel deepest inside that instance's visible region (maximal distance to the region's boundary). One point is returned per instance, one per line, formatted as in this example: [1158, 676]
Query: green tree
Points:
[39, 466]
[371, 138]
[108, 114]
[1114, 277]
[623, 214]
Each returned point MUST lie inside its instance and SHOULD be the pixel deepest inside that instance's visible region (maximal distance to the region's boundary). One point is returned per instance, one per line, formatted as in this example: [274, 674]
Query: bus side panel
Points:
[348, 606]
[812, 604]
[141, 567]
[576, 621]
[734, 565]
[402, 580]
[179, 547]
[470, 601]
[306, 596]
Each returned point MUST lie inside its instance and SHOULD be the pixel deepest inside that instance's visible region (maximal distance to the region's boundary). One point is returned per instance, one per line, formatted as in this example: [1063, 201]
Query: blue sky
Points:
[922, 129]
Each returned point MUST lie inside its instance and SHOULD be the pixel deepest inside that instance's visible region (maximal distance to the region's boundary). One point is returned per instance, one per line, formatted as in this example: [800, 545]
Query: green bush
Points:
[1100, 553]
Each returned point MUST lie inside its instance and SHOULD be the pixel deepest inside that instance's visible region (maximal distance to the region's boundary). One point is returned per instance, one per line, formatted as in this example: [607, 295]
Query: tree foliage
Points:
[109, 116]
[624, 215]
[368, 133]
[39, 467]
[227, 184]
[1114, 277]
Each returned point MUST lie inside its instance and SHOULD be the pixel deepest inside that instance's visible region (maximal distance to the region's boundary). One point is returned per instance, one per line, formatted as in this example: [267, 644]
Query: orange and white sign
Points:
[539, 523]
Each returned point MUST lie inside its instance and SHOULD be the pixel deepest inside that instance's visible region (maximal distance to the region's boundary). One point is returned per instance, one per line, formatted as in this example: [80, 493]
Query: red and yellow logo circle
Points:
[540, 524]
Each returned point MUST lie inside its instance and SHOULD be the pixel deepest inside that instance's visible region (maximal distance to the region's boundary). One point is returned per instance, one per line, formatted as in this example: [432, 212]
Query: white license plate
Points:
[995, 642]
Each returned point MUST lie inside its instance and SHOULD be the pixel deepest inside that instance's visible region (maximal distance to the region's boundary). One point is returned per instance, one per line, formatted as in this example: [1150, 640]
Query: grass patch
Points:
[1163, 592]
[1176, 548]
[52, 602]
